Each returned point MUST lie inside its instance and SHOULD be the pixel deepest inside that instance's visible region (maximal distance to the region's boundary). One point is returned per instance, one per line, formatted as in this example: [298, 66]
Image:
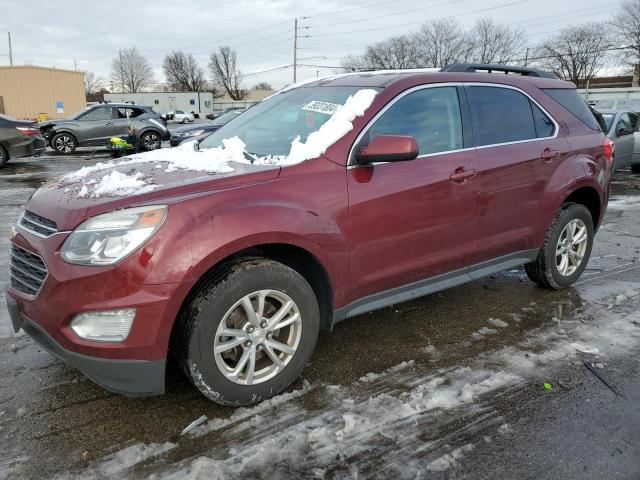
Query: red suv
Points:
[430, 180]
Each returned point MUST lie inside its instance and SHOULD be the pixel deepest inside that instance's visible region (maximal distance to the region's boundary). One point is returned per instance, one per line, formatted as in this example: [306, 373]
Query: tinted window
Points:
[131, 112]
[430, 115]
[572, 101]
[544, 125]
[98, 114]
[500, 115]
[608, 119]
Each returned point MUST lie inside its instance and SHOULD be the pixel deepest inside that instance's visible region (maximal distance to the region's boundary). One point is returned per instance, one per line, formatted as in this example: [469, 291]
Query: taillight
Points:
[31, 131]
[608, 147]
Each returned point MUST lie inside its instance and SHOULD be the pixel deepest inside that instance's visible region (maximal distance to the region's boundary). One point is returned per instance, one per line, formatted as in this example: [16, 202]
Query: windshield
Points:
[227, 117]
[270, 127]
[608, 119]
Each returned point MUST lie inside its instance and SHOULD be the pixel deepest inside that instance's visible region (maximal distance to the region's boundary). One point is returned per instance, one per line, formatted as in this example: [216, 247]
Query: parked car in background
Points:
[19, 138]
[621, 130]
[214, 115]
[629, 104]
[180, 116]
[95, 125]
[201, 130]
[439, 178]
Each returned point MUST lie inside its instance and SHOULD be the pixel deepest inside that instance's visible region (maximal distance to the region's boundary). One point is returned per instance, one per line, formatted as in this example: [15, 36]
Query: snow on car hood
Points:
[125, 177]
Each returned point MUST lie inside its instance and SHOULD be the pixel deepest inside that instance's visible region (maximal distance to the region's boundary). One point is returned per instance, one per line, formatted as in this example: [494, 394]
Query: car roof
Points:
[121, 105]
[386, 78]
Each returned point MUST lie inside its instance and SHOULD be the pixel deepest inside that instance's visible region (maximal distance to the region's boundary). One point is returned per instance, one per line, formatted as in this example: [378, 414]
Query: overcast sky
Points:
[51, 33]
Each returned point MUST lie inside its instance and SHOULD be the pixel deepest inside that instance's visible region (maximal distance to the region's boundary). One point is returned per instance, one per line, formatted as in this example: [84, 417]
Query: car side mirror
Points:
[388, 148]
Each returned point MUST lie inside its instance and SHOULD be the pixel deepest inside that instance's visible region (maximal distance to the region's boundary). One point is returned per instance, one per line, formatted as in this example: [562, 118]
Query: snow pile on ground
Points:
[449, 459]
[218, 159]
[370, 377]
[628, 202]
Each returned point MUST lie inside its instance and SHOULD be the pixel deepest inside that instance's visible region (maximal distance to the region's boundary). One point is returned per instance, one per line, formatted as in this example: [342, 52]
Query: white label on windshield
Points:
[322, 107]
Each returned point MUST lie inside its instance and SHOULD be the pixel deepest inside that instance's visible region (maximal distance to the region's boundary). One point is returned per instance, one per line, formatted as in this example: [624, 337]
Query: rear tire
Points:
[185, 121]
[563, 257]
[213, 361]
[64, 143]
[635, 168]
[150, 141]
[4, 156]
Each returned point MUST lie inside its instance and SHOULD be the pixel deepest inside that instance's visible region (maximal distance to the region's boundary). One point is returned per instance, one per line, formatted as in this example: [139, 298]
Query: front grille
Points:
[41, 226]
[27, 270]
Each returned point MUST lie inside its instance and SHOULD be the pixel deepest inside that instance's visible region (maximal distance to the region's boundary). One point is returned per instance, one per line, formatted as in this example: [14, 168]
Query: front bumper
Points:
[129, 377]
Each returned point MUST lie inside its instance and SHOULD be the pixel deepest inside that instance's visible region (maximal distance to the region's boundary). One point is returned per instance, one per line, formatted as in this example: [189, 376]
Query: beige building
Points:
[28, 91]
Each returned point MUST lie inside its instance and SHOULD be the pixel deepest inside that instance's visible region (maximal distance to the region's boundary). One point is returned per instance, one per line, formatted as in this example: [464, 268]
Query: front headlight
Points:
[193, 133]
[108, 238]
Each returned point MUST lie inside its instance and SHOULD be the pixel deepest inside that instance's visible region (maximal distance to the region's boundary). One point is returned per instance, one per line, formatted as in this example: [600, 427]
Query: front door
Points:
[415, 219]
[623, 137]
[96, 126]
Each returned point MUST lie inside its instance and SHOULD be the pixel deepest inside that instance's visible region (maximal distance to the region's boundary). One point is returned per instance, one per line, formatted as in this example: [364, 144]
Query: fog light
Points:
[105, 326]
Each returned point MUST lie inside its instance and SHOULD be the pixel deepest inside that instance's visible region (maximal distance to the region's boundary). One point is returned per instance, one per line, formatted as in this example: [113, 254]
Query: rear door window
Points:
[500, 115]
[430, 115]
[571, 100]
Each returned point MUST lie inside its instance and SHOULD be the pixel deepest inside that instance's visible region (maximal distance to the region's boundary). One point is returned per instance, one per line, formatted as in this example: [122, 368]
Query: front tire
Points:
[64, 143]
[565, 250]
[4, 156]
[249, 333]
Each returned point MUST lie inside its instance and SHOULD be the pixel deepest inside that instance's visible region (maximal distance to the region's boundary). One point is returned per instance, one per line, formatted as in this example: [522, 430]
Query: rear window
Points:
[570, 99]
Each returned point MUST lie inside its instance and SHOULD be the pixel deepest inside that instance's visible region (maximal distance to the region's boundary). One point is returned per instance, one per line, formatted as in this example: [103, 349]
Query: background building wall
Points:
[27, 91]
[162, 102]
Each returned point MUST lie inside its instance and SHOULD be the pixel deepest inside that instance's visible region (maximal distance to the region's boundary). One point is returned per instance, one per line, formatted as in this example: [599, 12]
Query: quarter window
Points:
[544, 125]
[500, 115]
[430, 115]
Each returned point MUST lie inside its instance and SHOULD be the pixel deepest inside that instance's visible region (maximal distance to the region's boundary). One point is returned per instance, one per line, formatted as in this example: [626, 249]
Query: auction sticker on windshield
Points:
[322, 107]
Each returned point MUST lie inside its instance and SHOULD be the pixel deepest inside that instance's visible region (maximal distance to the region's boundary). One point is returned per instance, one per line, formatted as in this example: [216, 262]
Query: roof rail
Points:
[487, 67]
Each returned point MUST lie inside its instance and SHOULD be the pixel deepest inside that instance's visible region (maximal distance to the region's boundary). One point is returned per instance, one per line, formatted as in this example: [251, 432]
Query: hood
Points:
[62, 200]
[51, 123]
[209, 127]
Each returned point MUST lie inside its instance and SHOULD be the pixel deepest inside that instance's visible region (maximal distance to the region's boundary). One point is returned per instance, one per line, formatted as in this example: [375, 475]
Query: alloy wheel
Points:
[571, 247]
[151, 141]
[257, 337]
[64, 143]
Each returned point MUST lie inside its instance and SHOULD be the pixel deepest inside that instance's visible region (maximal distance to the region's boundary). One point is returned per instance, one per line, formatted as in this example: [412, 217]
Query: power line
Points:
[335, 12]
[404, 12]
[420, 21]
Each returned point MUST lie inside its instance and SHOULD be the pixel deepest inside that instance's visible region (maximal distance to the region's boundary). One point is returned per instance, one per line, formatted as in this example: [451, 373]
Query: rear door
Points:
[415, 219]
[518, 148]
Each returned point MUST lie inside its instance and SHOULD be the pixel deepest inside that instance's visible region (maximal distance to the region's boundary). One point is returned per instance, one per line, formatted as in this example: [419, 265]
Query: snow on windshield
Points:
[218, 159]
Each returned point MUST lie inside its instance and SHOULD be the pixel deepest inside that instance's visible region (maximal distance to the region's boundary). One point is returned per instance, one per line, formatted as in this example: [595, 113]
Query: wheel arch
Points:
[293, 256]
[590, 198]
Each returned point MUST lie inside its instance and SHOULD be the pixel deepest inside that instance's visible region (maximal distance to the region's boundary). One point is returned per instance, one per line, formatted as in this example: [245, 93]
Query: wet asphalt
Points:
[55, 422]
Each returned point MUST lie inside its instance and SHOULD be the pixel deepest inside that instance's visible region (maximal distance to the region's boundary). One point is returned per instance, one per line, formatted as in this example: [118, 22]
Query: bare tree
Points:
[355, 63]
[575, 53]
[225, 72]
[262, 86]
[183, 72]
[443, 42]
[131, 70]
[626, 24]
[394, 53]
[495, 43]
[92, 82]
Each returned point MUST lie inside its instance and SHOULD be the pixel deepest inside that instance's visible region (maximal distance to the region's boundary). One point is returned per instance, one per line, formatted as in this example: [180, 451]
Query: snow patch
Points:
[450, 459]
[498, 323]
[630, 202]
[369, 377]
[116, 184]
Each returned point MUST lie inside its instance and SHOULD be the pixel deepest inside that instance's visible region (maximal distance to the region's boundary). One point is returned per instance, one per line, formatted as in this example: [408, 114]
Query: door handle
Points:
[460, 175]
[549, 154]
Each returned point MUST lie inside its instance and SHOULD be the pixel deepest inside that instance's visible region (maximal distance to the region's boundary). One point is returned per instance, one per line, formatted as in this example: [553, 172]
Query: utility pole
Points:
[10, 50]
[295, 48]
[526, 57]
[121, 70]
[75, 64]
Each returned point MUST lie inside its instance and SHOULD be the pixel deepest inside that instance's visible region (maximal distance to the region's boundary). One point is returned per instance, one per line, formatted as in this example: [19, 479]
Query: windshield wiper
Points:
[250, 156]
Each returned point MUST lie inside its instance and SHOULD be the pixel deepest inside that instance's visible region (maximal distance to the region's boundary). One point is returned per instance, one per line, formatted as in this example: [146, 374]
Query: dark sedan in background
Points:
[200, 130]
[19, 138]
